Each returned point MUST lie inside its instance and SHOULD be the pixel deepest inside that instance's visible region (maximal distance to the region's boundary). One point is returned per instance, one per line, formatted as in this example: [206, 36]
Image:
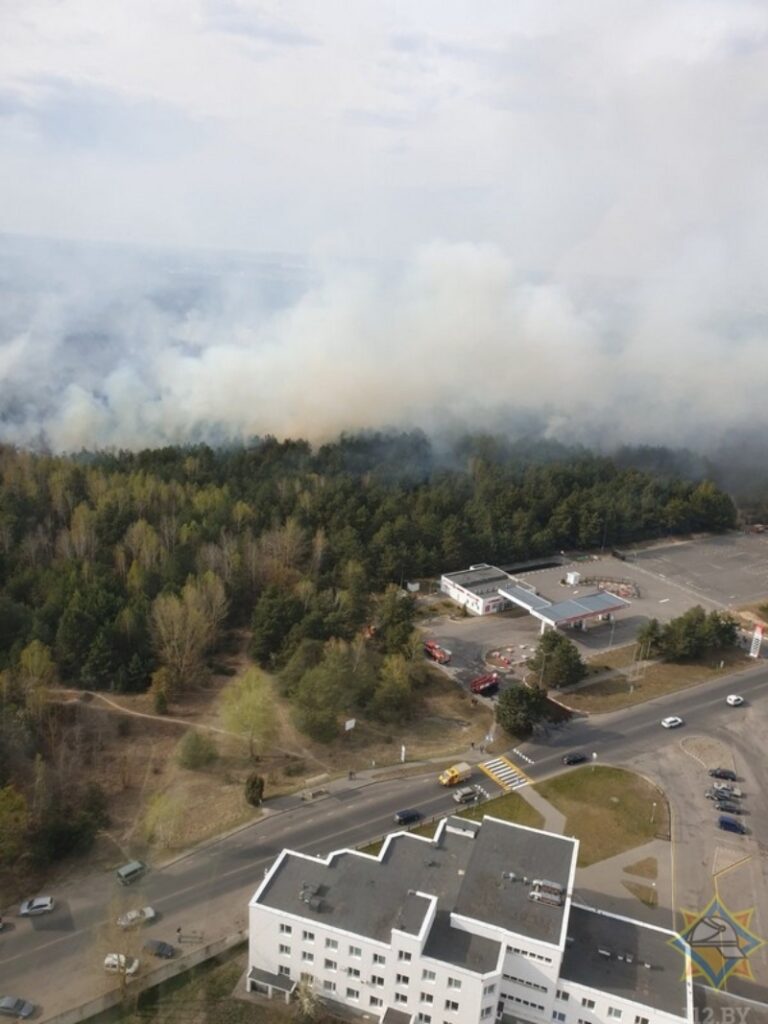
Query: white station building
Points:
[477, 924]
[484, 590]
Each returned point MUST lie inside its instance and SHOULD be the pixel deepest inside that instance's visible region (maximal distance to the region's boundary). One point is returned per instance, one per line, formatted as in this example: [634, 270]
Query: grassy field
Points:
[657, 679]
[608, 810]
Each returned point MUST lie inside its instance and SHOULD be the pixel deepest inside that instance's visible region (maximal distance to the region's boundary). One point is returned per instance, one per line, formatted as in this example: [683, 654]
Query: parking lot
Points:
[716, 572]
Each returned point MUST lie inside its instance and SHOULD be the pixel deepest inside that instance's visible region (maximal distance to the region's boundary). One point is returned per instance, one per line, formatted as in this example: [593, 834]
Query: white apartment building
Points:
[474, 925]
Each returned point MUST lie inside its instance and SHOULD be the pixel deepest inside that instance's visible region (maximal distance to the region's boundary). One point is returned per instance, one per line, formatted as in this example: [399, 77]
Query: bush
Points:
[196, 751]
[160, 701]
[254, 789]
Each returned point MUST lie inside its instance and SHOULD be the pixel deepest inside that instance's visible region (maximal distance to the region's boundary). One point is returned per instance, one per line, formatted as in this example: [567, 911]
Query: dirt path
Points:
[114, 706]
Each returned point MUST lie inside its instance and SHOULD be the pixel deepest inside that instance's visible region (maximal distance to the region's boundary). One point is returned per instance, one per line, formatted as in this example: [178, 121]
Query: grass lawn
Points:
[655, 680]
[608, 810]
[619, 657]
[510, 807]
[645, 893]
[648, 867]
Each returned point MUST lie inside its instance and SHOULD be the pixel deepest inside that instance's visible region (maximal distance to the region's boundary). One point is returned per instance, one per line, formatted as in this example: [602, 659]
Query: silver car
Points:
[11, 1006]
[132, 918]
[36, 906]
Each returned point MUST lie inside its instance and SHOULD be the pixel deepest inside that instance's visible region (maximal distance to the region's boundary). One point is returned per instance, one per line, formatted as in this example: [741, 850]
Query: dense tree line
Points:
[125, 565]
[691, 635]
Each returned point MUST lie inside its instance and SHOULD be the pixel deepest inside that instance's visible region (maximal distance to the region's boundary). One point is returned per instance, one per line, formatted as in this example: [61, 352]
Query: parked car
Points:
[727, 790]
[36, 906]
[131, 918]
[723, 773]
[734, 700]
[156, 947]
[672, 722]
[729, 806]
[407, 816]
[731, 825]
[464, 794]
[12, 1006]
[118, 963]
[575, 758]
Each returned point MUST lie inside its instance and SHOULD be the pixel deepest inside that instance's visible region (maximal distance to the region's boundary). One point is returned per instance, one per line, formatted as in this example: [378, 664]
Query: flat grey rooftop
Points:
[279, 981]
[599, 603]
[482, 576]
[488, 894]
[525, 598]
[454, 946]
[661, 986]
[368, 897]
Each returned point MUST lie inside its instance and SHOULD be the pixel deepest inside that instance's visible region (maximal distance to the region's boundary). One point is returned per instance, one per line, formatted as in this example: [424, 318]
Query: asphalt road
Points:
[56, 959]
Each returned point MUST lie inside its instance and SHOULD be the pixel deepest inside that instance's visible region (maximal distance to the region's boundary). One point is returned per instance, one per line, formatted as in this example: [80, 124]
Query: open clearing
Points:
[609, 810]
[652, 680]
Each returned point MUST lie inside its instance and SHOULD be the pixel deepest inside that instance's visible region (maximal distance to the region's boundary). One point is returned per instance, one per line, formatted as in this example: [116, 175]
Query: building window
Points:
[331, 944]
[403, 954]
[489, 990]
[426, 997]
[284, 950]
[379, 959]
[330, 965]
[558, 1015]
[641, 1020]
[424, 1018]
[452, 1006]
[402, 979]
[614, 1012]
[284, 969]
[400, 998]
[454, 983]
[286, 929]
[427, 975]
[329, 986]
[353, 993]
[308, 936]
[589, 1003]
[355, 951]
[375, 1001]
[353, 972]
[377, 981]
[309, 978]
[309, 957]
[486, 1011]
[562, 995]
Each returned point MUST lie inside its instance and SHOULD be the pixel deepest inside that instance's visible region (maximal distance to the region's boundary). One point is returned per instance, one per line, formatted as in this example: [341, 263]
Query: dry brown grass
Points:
[648, 867]
[645, 893]
[655, 680]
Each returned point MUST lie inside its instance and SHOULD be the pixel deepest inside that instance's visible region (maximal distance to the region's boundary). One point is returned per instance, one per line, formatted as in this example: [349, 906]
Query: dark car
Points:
[729, 806]
[723, 773]
[12, 1006]
[162, 949]
[407, 817]
[577, 758]
[731, 825]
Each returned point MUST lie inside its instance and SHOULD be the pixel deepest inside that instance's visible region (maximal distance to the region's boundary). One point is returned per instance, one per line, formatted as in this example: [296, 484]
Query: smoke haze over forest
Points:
[538, 217]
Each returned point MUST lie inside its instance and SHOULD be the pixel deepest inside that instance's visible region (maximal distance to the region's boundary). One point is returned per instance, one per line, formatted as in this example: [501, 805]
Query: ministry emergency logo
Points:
[718, 942]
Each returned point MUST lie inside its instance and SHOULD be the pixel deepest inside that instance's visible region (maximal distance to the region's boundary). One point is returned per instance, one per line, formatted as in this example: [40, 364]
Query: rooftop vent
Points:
[315, 903]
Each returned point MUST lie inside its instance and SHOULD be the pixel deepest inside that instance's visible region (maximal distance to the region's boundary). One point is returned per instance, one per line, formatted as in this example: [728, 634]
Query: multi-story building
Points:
[475, 925]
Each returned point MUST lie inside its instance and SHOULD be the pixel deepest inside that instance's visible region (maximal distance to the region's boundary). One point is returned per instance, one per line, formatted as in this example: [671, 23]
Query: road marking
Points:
[504, 773]
[522, 756]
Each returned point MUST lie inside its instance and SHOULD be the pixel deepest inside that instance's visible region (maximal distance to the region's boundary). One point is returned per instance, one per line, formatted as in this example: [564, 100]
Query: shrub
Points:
[196, 751]
[254, 789]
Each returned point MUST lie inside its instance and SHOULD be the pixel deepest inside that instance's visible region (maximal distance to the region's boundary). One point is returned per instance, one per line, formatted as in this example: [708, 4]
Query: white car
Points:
[734, 700]
[117, 963]
[672, 722]
[38, 905]
[143, 915]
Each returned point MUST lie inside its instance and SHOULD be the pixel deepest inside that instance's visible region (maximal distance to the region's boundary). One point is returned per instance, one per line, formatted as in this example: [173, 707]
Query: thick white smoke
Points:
[116, 348]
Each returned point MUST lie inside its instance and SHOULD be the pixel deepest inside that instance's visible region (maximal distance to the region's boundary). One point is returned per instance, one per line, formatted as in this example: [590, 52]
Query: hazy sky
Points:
[579, 186]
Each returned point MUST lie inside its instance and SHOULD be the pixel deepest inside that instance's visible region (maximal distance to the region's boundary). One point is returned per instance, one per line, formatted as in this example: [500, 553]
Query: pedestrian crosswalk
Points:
[523, 757]
[504, 773]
